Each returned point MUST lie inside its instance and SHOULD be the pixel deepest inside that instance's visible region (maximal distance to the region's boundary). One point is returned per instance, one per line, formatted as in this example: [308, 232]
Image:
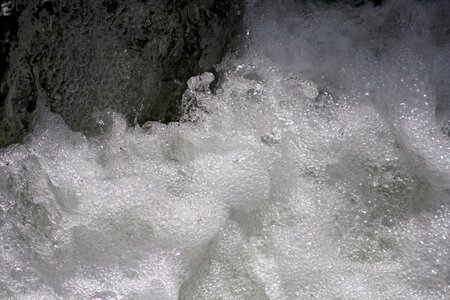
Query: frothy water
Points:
[319, 169]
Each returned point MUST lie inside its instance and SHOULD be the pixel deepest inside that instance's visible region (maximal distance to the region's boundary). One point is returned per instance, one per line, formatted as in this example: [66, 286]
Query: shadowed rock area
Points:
[80, 57]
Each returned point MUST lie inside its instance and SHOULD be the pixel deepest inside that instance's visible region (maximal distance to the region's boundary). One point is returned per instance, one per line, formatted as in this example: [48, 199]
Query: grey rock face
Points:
[131, 56]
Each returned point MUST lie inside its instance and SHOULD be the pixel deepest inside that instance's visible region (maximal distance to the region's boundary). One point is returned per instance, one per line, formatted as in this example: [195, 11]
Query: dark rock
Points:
[17, 92]
[131, 56]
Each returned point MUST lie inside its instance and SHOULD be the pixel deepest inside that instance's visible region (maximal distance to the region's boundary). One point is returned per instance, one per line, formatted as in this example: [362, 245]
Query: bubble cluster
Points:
[282, 183]
[89, 61]
[130, 56]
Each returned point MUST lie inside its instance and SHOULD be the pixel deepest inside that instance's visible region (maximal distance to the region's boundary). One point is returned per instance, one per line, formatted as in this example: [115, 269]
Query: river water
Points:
[317, 168]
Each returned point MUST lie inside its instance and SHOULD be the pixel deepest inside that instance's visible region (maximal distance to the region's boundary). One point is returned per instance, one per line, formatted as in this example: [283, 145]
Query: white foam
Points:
[313, 174]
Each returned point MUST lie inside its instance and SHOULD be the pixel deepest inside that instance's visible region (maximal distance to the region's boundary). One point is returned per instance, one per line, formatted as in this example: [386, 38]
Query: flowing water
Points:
[318, 168]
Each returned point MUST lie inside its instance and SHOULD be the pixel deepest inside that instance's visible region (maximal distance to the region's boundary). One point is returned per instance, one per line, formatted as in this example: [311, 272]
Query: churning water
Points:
[319, 168]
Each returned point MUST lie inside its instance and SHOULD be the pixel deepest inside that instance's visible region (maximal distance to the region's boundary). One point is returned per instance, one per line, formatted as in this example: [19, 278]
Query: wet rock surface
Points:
[81, 57]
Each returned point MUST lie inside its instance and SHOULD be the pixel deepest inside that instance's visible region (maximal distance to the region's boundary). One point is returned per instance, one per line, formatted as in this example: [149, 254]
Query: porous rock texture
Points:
[131, 56]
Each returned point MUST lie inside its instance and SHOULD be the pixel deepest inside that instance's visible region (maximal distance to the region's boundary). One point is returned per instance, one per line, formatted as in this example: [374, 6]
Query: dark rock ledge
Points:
[132, 56]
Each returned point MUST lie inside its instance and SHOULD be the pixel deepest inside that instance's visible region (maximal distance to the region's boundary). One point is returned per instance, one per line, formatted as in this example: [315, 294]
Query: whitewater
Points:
[313, 164]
